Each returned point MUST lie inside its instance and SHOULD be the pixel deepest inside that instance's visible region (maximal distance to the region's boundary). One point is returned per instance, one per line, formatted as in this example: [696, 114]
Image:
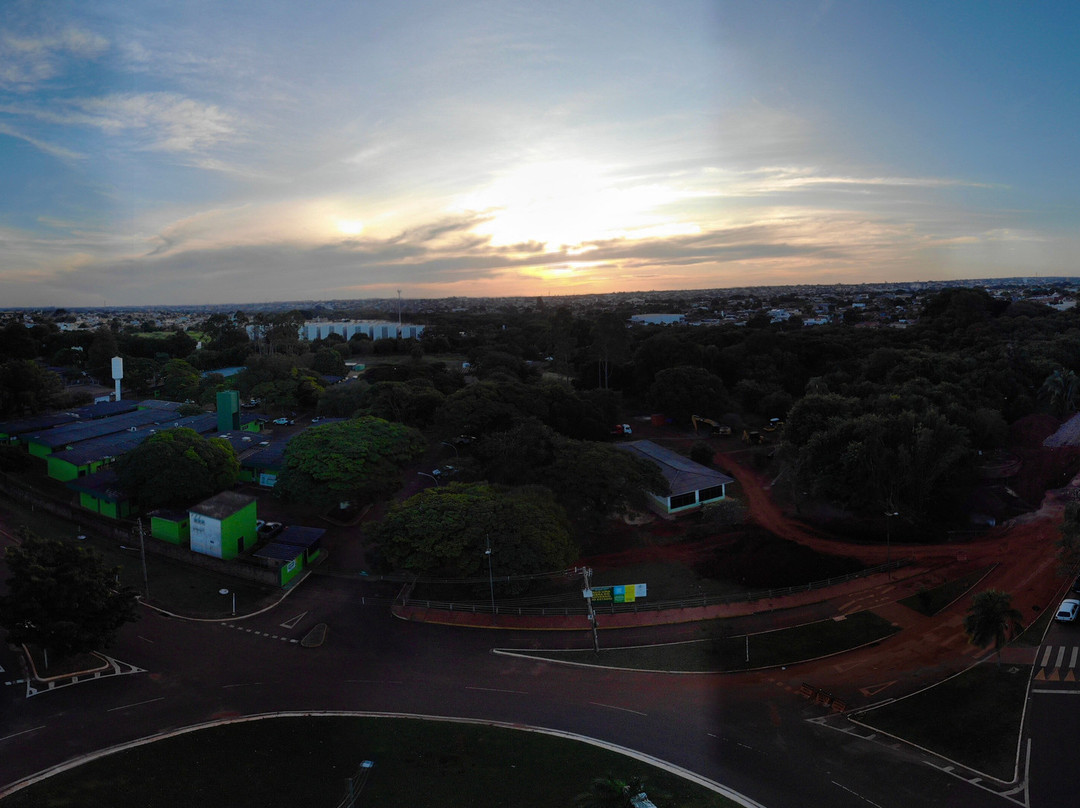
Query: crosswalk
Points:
[1057, 663]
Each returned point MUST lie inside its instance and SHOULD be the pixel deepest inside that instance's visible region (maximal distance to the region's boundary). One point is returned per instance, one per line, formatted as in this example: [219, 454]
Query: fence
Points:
[126, 532]
[404, 599]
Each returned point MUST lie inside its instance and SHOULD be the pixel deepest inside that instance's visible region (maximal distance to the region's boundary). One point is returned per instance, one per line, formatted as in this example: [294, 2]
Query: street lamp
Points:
[888, 538]
[432, 476]
[491, 581]
[452, 446]
[226, 592]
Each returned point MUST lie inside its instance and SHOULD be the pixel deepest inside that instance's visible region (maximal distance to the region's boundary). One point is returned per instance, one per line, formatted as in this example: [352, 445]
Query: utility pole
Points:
[142, 552]
[587, 592]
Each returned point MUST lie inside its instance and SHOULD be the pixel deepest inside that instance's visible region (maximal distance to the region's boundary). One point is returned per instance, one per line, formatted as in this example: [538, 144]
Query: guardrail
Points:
[404, 599]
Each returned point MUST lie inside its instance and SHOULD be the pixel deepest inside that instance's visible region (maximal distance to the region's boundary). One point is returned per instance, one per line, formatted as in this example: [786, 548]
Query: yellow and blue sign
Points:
[623, 593]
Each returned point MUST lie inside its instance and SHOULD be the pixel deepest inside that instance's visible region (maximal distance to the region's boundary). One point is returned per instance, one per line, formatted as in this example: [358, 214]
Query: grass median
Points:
[307, 761]
[769, 649]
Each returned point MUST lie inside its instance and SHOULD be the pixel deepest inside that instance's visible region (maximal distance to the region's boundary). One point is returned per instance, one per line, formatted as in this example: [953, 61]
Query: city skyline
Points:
[176, 153]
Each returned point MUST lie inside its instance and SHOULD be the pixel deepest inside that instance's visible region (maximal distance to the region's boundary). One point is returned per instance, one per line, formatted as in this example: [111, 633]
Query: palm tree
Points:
[1062, 388]
[992, 619]
[611, 792]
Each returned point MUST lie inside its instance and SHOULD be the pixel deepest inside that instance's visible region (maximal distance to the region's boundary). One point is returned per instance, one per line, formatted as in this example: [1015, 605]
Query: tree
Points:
[684, 390]
[179, 380]
[348, 461]
[1069, 543]
[992, 619]
[446, 530]
[27, 388]
[62, 598]
[1062, 389]
[177, 466]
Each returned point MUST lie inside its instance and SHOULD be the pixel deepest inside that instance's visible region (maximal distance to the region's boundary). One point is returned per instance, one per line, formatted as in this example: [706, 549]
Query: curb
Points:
[686, 774]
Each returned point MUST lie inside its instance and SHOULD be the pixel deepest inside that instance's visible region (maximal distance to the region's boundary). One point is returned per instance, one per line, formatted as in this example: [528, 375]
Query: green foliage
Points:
[1062, 389]
[1069, 543]
[26, 388]
[179, 381]
[348, 461]
[681, 391]
[329, 362]
[593, 481]
[61, 597]
[415, 402]
[446, 530]
[992, 619]
[611, 792]
[177, 467]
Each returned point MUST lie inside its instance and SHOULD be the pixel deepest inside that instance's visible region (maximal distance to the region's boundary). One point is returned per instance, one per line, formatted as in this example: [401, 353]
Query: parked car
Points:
[282, 422]
[1067, 610]
[270, 529]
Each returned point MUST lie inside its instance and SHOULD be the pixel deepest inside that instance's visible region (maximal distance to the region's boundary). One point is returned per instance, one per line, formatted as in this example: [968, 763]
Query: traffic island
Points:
[315, 637]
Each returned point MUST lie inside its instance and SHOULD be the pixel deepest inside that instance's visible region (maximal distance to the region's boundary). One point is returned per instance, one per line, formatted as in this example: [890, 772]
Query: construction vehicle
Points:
[717, 428]
[752, 437]
[773, 425]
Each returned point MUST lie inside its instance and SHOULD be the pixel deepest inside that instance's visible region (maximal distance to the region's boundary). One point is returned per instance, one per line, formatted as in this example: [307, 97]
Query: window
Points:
[682, 500]
[706, 494]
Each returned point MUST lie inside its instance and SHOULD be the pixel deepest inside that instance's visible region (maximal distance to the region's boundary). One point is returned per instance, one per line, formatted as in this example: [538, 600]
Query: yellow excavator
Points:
[717, 428]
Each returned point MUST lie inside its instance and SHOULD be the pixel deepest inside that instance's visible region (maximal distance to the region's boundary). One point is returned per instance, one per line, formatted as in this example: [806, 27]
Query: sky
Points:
[177, 152]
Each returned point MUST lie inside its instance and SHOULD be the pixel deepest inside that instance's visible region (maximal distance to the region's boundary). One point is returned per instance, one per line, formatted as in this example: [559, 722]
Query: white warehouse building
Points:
[374, 329]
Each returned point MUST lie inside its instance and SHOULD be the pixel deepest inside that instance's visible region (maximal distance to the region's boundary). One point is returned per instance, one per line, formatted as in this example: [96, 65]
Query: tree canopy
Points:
[62, 597]
[445, 531]
[177, 467]
[347, 461]
[992, 619]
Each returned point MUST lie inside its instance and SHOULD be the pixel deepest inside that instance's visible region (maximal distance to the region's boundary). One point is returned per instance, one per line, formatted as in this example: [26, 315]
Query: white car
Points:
[282, 421]
[1067, 610]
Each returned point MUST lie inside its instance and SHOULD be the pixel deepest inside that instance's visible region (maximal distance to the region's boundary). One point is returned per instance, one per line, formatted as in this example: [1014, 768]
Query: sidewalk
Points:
[868, 592]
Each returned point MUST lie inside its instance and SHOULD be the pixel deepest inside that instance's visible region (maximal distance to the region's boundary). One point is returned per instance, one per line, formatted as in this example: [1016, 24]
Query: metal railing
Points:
[404, 599]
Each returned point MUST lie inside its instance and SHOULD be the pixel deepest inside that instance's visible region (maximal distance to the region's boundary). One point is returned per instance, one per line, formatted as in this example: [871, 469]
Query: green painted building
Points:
[101, 494]
[172, 526]
[224, 525]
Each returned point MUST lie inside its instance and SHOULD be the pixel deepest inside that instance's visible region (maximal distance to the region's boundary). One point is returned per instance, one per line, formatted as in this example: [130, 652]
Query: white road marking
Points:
[1060, 657]
[17, 734]
[141, 637]
[244, 684]
[497, 690]
[613, 707]
[136, 704]
[860, 796]
[1046, 656]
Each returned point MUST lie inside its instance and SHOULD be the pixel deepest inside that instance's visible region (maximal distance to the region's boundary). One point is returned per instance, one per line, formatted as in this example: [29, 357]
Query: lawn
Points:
[972, 718]
[931, 601]
[296, 761]
[181, 588]
[730, 654]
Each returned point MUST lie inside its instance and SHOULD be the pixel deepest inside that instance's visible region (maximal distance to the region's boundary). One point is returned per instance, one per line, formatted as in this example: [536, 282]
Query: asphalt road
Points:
[749, 732]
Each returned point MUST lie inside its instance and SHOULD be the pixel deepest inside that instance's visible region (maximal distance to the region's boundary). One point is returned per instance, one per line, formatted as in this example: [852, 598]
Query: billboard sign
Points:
[624, 593]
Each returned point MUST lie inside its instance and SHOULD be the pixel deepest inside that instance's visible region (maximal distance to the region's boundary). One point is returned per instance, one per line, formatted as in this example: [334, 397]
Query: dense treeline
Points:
[878, 420]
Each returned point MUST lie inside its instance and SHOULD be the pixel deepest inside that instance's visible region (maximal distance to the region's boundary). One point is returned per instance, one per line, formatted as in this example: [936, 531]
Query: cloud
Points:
[28, 61]
[48, 148]
[158, 121]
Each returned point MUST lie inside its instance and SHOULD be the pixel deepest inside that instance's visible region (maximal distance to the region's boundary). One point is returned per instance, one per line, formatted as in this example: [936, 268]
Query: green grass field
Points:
[290, 762]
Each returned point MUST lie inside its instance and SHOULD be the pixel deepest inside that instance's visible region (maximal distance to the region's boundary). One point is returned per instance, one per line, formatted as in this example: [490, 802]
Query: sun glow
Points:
[349, 227]
[569, 204]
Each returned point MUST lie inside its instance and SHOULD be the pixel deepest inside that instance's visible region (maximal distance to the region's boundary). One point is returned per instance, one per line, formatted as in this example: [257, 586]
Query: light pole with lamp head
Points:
[888, 538]
[491, 581]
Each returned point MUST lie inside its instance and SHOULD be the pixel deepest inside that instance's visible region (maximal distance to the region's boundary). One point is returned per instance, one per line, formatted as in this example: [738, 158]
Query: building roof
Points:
[276, 551]
[79, 431]
[103, 485]
[35, 423]
[104, 409]
[169, 514]
[300, 536]
[223, 505]
[118, 443]
[682, 474]
[159, 404]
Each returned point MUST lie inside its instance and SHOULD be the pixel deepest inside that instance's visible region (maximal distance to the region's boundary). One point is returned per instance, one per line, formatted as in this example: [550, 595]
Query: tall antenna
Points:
[399, 309]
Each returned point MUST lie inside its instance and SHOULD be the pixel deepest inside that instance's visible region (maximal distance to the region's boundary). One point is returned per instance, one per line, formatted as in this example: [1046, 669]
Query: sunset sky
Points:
[196, 152]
